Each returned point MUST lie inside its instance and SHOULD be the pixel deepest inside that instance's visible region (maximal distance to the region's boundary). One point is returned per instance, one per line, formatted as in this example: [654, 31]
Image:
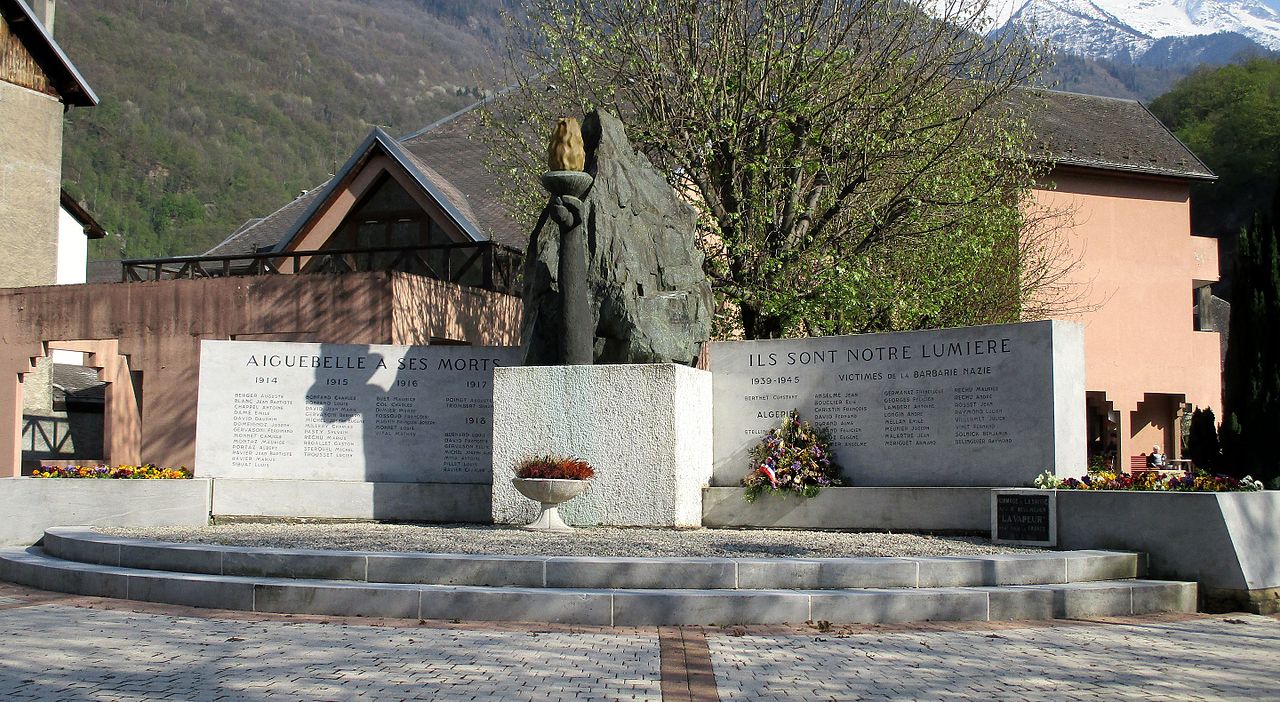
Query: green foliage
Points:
[858, 166]
[1251, 382]
[1230, 118]
[1202, 440]
[217, 111]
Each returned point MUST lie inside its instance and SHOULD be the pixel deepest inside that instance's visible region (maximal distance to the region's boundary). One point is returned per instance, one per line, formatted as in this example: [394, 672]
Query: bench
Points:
[1138, 465]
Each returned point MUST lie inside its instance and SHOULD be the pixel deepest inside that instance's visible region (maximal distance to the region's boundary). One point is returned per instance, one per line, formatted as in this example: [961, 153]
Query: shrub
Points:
[793, 458]
[555, 468]
[1202, 440]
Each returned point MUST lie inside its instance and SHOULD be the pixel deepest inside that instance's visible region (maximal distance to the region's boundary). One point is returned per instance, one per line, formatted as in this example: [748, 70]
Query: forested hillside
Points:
[214, 111]
[1230, 117]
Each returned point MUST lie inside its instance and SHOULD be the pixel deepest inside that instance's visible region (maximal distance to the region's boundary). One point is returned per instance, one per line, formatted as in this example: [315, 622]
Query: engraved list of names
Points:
[347, 412]
[976, 406]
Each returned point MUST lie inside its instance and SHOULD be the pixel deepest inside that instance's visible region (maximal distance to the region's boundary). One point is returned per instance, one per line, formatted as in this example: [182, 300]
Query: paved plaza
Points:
[59, 647]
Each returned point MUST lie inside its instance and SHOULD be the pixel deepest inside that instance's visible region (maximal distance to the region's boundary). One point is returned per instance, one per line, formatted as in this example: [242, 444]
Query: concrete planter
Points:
[549, 493]
[1229, 542]
[28, 506]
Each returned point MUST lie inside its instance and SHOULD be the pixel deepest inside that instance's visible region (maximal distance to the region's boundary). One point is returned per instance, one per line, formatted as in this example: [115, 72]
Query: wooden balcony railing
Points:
[484, 265]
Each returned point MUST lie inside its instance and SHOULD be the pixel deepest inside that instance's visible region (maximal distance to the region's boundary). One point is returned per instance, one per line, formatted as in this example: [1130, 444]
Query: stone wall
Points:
[31, 505]
[159, 326]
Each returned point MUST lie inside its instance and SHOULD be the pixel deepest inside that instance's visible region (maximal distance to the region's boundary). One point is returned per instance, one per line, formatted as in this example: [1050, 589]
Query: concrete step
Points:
[606, 606]
[86, 546]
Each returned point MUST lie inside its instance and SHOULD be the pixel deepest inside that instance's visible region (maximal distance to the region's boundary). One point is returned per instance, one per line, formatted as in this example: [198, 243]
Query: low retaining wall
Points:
[1228, 542]
[941, 509]
[28, 506]
[342, 499]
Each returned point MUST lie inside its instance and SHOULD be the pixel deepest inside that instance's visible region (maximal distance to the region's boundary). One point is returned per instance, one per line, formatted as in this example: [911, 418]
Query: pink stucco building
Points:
[1122, 182]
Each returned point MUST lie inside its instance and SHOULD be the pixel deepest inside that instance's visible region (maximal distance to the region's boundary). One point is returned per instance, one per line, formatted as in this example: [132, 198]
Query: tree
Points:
[1230, 117]
[1251, 383]
[858, 165]
[1202, 440]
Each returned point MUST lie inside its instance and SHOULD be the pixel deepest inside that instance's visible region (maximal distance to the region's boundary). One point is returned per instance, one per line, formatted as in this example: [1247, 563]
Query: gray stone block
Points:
[282, 563]
[192, 591]
[1023, 569]
[429, 569]
[400, 602]
[677, 607]
[82, 545]
[825, 574]
[177, 558]
[19, 566]
[645, 573]
[344, 499]
[80, 579]
[1083, 566]
[947, 571]
[32, 505]
[964, 509]
[1222, 540]
[1013, 603]
[1086, 600]
[648, 426]
[1161, 596]
[518, 605]
[895, 606]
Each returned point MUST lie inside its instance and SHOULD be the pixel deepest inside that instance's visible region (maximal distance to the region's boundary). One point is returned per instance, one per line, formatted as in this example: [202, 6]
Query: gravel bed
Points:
[594, 541]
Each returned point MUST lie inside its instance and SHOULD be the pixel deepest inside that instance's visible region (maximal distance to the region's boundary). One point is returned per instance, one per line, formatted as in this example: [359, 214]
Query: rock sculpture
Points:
[648, 298]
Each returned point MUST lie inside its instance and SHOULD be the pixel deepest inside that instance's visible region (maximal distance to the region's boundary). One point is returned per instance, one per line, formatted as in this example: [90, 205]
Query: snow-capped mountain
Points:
[1127, 29]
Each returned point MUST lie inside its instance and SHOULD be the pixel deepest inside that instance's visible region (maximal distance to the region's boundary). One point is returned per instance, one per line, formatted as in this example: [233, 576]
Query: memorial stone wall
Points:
[974, 406]
[346, 412]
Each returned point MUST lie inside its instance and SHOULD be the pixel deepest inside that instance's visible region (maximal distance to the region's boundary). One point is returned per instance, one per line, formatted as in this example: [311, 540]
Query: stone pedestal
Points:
[646, 428]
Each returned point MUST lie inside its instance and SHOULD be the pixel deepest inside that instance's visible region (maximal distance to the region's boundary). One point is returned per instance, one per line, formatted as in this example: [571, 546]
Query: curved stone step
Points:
[596, 606]
[86, 546]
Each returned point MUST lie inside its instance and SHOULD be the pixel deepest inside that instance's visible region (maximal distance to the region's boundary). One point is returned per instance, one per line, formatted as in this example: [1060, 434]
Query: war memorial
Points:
[941, 431]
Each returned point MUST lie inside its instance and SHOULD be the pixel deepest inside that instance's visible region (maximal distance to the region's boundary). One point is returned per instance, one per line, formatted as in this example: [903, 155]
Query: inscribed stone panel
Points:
[972, 406]
[346, 412]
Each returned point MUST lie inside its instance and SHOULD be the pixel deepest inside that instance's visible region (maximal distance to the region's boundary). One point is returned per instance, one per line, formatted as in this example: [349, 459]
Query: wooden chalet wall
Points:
[18, 66]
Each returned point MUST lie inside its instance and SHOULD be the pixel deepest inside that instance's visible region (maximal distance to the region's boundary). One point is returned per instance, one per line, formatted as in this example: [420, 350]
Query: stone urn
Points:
[550, 493]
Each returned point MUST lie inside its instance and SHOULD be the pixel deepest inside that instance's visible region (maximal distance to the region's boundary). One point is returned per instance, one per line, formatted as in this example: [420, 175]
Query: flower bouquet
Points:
[793, 458]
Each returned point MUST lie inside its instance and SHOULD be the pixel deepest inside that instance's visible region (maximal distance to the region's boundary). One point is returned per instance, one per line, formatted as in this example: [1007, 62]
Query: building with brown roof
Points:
[38, 84]
[1143, 279]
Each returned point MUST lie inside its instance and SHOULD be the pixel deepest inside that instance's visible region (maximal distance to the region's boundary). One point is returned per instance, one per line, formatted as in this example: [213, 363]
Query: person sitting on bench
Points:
[1157, 459]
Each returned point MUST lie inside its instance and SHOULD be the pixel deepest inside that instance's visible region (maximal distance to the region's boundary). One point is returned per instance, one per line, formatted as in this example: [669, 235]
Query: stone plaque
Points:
[346, 412]
[1027, 517]
[989, 406]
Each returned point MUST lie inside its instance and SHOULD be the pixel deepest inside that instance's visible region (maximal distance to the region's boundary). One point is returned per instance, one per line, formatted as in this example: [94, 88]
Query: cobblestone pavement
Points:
[1230, 657]
[57, 647]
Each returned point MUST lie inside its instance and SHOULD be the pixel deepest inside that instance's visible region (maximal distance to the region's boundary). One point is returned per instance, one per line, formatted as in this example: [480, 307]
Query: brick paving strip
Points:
[687, 675]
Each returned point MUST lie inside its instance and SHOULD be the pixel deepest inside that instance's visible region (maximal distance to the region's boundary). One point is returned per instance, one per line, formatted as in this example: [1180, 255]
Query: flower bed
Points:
[143, 472]
[1149, 480]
